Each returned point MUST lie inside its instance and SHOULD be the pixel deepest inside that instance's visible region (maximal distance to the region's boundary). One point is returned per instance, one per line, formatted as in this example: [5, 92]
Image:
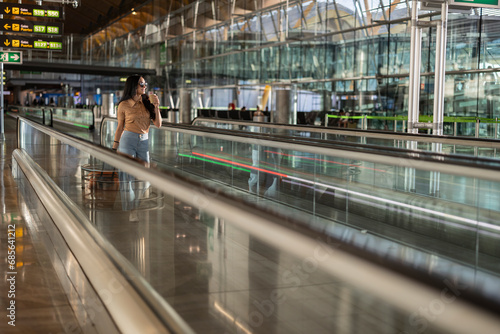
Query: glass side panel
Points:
[46, 115]
[440, 214]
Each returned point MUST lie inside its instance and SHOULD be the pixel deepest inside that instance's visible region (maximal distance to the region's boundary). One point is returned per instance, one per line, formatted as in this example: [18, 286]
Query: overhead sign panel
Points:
[31, 10]
[477, 3]
[31, 27]
[34, 43]
[13, 57]
[434, 5]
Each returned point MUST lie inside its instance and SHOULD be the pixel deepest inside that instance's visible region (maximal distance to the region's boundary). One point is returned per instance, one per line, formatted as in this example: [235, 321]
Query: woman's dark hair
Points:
[129, 92]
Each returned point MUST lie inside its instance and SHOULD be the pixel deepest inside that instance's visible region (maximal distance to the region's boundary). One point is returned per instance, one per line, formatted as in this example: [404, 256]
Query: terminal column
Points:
[327, 100]
[283, 114]
[185, 106]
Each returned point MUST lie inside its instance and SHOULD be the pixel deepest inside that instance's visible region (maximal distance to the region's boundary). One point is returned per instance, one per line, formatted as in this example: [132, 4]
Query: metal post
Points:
[440, 64]
[477, 127]
[415, 60]
[496, 127]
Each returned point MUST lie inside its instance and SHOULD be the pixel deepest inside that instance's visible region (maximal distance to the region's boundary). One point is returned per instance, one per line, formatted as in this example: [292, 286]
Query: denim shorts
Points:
[135, 145]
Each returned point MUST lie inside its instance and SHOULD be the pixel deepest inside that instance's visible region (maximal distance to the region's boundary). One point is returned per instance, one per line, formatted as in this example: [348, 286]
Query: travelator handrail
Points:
[295, 238]
[390, 135]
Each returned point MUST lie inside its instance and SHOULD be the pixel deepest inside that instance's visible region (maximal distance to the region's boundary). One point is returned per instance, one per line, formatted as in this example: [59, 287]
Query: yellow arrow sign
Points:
[6, 26]
[7, 43]
[7, 10]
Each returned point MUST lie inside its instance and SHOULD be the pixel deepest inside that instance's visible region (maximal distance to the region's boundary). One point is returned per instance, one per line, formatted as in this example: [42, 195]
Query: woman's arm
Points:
[119, 128]
[158, 119]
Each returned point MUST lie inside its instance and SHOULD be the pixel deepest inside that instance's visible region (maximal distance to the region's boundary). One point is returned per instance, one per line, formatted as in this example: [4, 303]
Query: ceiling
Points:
[91, 15]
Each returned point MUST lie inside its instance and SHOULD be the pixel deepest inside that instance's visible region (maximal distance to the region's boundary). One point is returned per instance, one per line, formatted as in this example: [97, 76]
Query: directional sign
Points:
[22, 42]
[31, 27]
[15, 57]
[477, 3]
[31, 10]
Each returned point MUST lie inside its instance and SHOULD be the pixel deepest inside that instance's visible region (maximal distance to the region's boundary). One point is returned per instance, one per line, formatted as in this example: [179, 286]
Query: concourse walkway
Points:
[248, 234]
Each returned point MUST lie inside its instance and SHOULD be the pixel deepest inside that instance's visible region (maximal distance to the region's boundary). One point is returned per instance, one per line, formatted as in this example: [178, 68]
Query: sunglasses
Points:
[143, 84]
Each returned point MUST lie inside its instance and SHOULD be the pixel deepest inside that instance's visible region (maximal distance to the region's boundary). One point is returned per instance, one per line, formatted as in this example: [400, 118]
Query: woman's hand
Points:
[154, 99]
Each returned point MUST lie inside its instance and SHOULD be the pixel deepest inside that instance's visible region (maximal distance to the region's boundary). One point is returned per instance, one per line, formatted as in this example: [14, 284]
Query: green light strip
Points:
[81, 125]
[423, 118]
[215, 162]
[69, 122]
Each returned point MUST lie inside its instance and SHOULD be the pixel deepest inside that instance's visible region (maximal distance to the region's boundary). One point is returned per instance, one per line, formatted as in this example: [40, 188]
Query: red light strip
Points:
[240, 164]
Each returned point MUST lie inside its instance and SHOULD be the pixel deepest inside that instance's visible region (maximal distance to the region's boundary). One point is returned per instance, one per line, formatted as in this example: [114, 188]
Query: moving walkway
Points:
[260, 234]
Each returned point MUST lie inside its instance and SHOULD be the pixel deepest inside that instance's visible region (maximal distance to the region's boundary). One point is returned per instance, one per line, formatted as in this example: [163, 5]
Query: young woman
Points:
[135, 112]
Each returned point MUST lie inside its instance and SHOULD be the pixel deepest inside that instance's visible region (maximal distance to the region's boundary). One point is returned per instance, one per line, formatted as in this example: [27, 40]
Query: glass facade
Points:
[346, 54]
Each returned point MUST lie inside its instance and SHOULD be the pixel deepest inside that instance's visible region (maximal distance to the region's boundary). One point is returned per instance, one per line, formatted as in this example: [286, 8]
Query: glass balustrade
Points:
[430, 200]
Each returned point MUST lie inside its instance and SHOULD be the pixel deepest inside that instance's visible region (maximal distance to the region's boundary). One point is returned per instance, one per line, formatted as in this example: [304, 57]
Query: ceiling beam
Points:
[78, 69]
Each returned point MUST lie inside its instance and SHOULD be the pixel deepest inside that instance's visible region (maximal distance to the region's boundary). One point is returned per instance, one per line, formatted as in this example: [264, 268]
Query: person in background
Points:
[135, 112]
[343, 121]
[258, 112]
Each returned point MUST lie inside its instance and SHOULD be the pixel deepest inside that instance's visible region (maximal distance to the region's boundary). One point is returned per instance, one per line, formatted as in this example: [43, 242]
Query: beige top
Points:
[136, 116]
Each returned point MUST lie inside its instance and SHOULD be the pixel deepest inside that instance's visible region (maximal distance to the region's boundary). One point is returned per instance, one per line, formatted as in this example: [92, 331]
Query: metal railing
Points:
[453, 122]
[83, 118]
[388, 135]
